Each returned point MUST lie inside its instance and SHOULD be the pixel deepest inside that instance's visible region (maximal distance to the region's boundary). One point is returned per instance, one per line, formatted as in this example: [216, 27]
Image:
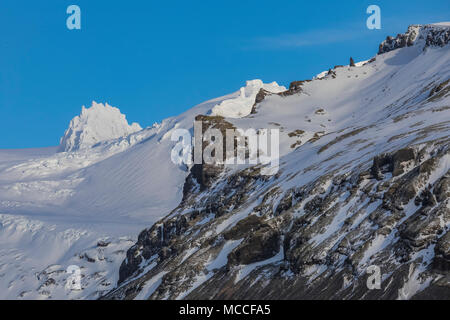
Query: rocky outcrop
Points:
[441, 260]
[203, 174]
[261, 245]
[352, 62]
[158, 241]
[393, 163]
[331, 73]
[259, 98]
[294, 88]
[424, 35]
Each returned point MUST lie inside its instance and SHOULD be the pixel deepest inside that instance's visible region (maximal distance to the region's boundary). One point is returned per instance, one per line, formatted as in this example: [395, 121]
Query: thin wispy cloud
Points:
[305, 39]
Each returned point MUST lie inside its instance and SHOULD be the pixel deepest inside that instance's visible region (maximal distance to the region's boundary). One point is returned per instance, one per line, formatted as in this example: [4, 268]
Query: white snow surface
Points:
[441, 24]
[113, 180]
[56, 206]
[98, 123]
[240, 105]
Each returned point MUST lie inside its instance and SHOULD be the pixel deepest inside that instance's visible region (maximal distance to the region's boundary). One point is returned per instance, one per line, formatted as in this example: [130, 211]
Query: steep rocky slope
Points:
[364, 180]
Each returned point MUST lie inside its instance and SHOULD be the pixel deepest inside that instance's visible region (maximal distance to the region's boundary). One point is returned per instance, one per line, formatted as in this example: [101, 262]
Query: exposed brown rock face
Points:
[441, 260]
[203, 174]
[294, 87]
[352, 62]
[158, 240]
[261, 245]
[439, 90]
[259, 98]
[246, 226]
[391, 163]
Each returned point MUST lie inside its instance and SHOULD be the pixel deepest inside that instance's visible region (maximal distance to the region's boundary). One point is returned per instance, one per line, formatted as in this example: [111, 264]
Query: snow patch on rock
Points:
[100, 122]
[241, 105]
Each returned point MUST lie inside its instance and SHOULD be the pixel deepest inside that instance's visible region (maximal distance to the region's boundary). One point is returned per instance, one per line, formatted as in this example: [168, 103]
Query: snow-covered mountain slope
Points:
[335, 207]
[363, 180]
[56, 206]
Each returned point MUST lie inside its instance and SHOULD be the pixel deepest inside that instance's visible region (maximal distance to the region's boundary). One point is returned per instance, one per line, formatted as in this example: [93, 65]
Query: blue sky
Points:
[155, 59]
